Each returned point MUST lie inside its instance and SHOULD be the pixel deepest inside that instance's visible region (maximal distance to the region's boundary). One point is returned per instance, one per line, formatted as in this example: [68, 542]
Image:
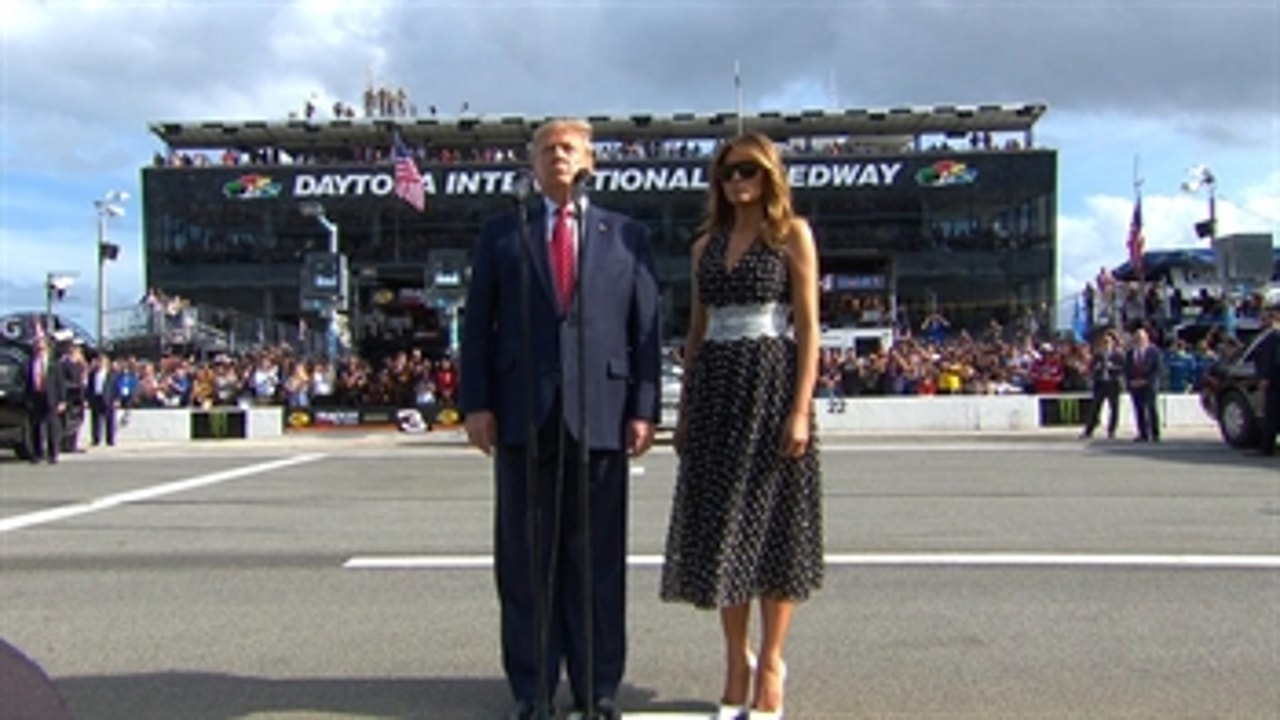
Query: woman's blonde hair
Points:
[775, 191]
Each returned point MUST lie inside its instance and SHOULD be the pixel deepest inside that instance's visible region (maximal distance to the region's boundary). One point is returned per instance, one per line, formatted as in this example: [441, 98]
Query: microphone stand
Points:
[580, 182]
[533, 516]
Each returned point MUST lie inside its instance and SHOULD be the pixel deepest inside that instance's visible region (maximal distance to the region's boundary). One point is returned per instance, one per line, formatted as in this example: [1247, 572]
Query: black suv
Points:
[13, 396]
[1231, 394]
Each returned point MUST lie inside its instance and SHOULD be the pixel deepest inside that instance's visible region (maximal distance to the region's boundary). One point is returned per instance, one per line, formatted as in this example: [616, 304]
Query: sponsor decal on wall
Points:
[219, 424]
[946, 173]
[251, 187]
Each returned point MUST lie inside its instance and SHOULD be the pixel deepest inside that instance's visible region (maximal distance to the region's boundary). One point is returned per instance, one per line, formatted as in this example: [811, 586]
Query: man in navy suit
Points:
[1143, 368]
[101, 392]
[621, 375]
[46, 401]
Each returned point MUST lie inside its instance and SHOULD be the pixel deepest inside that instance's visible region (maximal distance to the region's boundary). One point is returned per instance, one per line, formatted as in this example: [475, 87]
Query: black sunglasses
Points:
[745, 170]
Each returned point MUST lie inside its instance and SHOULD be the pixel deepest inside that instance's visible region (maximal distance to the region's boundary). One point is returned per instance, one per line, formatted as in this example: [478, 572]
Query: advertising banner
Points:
[250, 184]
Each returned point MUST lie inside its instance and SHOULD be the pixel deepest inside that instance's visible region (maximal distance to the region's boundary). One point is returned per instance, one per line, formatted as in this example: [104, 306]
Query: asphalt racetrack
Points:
[347, 576]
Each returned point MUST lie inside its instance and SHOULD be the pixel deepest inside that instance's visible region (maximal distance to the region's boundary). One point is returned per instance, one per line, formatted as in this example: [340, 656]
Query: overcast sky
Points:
[1175, 83]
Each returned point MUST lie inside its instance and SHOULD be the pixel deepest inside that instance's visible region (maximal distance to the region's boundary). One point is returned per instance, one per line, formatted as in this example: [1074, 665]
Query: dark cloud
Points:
[82, 83]
[1128, 56]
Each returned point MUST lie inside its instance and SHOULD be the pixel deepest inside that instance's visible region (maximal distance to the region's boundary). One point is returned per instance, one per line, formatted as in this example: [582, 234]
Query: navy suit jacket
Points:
[55, 388]
[623, 348]
[108, 395]
[1146, 365]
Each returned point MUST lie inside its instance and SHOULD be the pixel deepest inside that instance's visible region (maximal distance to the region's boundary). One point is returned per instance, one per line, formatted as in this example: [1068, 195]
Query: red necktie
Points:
[39, 373]
[562, 260]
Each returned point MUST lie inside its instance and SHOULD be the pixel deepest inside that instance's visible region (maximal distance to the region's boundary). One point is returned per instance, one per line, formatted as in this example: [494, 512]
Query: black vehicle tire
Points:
[1236, 422]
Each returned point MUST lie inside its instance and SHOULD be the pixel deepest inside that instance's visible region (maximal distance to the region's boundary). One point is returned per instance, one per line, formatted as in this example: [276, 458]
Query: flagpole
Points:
[1137, 198]
[1141, 247]
[737, 84]
[1137, 177]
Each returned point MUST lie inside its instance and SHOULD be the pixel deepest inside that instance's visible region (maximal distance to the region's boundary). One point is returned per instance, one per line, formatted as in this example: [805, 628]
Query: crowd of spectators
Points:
[278, 375]
[1160, 304]
[379, 102]
[1026, 357]
[940, 362]
[931, 358]
[662, 149]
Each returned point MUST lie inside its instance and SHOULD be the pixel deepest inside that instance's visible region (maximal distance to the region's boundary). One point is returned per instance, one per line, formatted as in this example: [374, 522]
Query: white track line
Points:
[42, 517]
[989, 559]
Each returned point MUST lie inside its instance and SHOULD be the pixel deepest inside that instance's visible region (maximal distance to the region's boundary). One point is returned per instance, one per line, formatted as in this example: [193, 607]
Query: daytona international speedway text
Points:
[620, 179]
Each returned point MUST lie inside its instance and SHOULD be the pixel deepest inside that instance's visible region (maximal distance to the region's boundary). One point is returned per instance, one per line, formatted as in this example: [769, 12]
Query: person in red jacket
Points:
[1047, 371]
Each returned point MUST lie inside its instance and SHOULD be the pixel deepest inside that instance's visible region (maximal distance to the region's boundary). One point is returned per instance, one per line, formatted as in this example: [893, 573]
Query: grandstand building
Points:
[946, 208]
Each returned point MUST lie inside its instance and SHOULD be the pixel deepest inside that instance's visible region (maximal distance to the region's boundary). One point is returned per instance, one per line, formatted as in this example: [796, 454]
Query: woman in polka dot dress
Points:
[746, 522]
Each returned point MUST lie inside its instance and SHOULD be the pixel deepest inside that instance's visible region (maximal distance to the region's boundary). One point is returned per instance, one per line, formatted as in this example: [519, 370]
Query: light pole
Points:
[1200, 177]
[316, 210]
[107, 207]
[56, 285]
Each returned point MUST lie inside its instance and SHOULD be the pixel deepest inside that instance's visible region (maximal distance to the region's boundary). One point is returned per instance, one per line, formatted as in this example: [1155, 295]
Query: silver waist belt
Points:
[741, 322]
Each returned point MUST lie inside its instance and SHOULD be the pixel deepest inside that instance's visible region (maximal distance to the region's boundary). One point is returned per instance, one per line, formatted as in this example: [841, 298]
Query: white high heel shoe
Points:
[753, 714]
[732, 712]
[738, 712]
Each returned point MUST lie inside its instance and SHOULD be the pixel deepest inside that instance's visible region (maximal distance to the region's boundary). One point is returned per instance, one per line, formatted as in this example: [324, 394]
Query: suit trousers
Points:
[1107, 391]
[1145, 414]
[563, 560]
[44, 429]
[102, 421]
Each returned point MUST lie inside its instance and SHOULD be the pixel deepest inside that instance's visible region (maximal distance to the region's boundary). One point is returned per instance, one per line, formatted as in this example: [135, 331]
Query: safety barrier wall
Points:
[959, 413]
[1004, 413]
[182, 424]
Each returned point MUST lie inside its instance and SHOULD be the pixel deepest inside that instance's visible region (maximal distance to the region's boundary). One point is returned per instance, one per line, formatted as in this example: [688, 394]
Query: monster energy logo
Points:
[217, 425]
[1064, 410]
[1069, 411]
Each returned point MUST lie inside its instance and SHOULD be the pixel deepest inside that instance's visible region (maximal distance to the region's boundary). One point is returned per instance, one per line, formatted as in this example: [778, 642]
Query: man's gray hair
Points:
[575, 125]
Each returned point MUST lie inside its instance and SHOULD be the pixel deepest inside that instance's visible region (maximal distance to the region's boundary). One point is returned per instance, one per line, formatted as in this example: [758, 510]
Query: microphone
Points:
[521, 187]
[582, 182]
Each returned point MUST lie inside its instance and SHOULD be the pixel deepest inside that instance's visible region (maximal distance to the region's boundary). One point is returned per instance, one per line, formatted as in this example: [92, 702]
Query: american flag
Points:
[408, 179]
[1137, 243]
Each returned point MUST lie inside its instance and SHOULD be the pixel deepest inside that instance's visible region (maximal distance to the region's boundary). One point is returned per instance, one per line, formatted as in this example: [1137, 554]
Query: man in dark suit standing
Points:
[622, 379]
[101, 391]
[46, 401]
[1106, 365]
[1266, 360]
[1142, 370]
